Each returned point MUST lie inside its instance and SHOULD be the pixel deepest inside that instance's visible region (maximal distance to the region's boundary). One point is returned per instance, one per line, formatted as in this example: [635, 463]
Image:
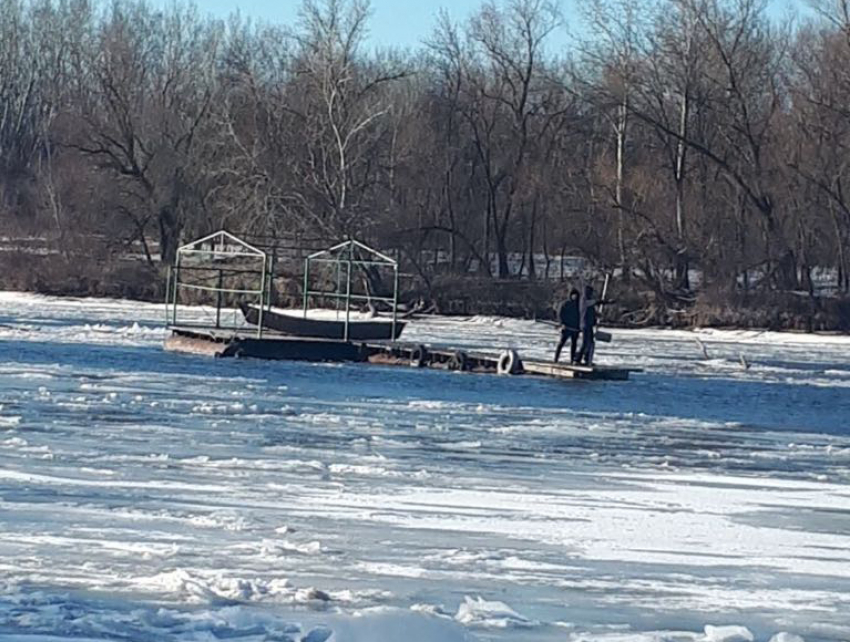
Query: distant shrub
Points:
[80, 276]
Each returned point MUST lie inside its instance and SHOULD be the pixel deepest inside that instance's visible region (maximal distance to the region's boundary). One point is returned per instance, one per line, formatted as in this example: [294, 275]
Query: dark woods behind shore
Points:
[695, 150]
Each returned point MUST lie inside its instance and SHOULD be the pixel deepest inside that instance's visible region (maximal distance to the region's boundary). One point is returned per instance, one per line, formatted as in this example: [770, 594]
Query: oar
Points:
[601, 335]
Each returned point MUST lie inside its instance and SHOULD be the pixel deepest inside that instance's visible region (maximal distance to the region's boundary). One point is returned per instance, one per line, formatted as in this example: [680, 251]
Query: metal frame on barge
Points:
[215, 270]
[350, 255]
[224, 272]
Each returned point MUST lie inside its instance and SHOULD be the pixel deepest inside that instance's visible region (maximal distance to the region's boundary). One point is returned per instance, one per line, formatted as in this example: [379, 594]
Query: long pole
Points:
[348, 293]
[604, 291]
[306, 284]
[270, 286]
[395, 298]
[338, 287]
[168, 297]
[272, 267]
[176, 291]
[218, 299]
[262, 296]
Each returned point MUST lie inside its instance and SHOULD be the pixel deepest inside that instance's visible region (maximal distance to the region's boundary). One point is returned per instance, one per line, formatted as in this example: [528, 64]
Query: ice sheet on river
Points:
[152, 496]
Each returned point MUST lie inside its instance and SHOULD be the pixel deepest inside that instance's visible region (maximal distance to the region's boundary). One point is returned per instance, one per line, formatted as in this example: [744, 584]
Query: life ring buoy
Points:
[459, 361]
[419, 356]
[509, 363]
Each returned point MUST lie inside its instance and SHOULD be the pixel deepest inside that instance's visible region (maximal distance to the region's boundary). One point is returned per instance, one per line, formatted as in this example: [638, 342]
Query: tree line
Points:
[681, 144]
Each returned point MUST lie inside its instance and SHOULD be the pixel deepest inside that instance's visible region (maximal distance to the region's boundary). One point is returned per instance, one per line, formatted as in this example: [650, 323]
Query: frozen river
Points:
[151, 496]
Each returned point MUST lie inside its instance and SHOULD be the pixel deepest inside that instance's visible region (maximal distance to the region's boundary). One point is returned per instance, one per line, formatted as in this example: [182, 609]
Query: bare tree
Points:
[614, 59]
[687, 138]
[343, 113]
[821, 91]
[673, 91]
[153, 83]
[502, 85]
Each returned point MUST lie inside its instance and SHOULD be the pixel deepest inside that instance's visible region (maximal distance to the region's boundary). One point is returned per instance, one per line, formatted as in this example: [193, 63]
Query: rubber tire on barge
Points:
[419, 357]
[459, 361]
[509, 363]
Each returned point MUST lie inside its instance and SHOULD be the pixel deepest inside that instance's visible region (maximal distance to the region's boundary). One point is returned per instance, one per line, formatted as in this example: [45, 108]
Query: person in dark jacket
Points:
[589, 319]
[570, 318]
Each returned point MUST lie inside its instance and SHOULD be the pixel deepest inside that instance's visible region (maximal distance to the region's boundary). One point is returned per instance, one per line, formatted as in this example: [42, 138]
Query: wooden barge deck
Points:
[275, 346]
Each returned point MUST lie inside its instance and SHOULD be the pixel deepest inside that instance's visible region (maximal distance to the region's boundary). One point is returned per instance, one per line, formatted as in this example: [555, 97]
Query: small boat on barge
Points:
[303, 326]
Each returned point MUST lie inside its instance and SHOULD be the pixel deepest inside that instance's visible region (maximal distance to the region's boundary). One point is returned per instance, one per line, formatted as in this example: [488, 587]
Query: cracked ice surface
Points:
[152, 496]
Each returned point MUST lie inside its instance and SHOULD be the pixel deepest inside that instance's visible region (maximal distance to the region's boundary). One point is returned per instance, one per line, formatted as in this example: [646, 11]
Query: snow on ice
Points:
[152, 496]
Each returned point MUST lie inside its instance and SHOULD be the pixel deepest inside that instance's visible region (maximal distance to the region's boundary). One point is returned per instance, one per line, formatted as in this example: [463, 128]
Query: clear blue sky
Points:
[406, 22]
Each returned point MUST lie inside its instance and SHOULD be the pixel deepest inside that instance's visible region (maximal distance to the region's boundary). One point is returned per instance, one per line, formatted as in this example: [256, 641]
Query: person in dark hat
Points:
[569, 316]
[589, 318]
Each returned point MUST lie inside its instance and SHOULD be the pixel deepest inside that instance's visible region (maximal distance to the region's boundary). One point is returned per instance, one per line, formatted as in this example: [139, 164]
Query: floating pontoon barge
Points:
[218, 258]
[280, 347]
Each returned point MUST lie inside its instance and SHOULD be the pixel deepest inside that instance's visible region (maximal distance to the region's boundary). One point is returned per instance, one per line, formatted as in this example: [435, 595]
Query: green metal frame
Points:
[341, 255]
[222, 244]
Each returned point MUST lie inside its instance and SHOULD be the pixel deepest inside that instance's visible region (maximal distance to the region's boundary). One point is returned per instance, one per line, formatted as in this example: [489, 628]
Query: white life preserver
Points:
[509, 363]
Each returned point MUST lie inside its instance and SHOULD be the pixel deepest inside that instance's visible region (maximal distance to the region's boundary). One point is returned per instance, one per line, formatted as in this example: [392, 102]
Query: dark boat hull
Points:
[321, 328]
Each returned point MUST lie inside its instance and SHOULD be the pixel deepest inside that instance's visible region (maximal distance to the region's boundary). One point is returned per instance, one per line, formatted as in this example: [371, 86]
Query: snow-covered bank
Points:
[152, 496]
[22, 313]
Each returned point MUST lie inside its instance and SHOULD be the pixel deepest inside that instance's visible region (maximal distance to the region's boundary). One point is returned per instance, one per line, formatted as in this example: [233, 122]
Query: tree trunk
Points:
[502, 250]
[485, 251]
[682, 267]
[169, 235]
[622, 125]
[841, 257]
[532, 271]
[501, 229]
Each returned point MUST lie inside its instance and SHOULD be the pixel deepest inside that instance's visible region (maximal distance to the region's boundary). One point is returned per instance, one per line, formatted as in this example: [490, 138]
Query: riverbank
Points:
[634, 305]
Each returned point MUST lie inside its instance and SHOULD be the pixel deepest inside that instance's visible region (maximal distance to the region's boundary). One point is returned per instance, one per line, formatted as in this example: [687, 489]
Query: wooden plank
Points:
[548, 370]
[563, 371]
